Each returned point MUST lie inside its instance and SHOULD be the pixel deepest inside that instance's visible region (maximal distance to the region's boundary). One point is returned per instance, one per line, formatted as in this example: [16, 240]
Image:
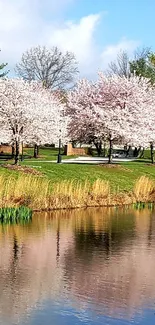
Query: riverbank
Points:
[38, 192]
[42, 185]
[121, 176]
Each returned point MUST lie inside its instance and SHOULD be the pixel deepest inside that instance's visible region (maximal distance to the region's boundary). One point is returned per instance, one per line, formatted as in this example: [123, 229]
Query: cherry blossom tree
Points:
[28, 112]
[115, 108]
[89, 114]
[52, 124]
[84, 125]
[15, 108]
[124, 104]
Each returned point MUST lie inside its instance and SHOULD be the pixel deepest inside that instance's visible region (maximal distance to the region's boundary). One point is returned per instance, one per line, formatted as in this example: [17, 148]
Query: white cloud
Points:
[26, 23]
[78, 38]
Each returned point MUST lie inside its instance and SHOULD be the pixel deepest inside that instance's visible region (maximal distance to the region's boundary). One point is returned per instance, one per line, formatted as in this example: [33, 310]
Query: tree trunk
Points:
[98, 148]
[125, 150]
[35, 151]
[152, 153]
[22, 158]
[139, 151]
[128, 151]
[13, 151]
[17, 143]
[142, 153]
[73, 144]
[110, 151]
[104, 149]
[135, 153]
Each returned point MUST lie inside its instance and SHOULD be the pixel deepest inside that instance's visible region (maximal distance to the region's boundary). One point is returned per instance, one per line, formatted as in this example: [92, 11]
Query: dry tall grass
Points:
[39, 193]
[144, 189]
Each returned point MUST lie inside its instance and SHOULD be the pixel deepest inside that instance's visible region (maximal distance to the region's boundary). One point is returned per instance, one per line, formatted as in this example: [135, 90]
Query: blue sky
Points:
[133, 19]
[95, 30]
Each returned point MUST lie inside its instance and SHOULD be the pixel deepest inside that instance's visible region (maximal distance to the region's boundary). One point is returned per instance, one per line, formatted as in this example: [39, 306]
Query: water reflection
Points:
[84, 264]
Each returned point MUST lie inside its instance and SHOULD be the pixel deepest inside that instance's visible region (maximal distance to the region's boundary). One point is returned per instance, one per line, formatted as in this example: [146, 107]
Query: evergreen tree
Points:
[3, 73]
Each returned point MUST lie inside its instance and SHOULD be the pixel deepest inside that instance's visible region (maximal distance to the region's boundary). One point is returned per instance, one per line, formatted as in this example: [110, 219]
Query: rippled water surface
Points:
[94, 266]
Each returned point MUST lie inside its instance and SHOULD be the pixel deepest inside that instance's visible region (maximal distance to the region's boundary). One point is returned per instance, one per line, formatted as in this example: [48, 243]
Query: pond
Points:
[94, 266]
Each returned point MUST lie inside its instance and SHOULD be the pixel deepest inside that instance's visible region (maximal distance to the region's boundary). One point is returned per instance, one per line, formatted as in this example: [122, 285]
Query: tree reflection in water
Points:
[95, 257]
[119, 231]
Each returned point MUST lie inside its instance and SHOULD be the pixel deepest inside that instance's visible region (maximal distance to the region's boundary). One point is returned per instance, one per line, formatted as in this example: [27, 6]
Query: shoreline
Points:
[133, 204]
[30, 188]
[39, 194]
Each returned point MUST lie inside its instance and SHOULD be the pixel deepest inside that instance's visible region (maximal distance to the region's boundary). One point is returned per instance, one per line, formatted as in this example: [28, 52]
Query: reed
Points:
[15, 215]
[39, 193]
[68, 194]
[144, 189]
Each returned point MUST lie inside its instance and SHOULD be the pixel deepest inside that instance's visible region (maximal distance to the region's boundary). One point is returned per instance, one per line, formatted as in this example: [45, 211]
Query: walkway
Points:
[86, 160]
[94, 160]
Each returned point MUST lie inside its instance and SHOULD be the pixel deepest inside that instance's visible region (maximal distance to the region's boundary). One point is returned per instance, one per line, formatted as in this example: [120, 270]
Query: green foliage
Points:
[3, 73]
[2, 66]
[15, 215]
[144, 66]
[152, 58]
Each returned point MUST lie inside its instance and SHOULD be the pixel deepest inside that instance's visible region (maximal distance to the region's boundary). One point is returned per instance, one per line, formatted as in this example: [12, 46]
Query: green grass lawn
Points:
[121, 176]
[44, 153]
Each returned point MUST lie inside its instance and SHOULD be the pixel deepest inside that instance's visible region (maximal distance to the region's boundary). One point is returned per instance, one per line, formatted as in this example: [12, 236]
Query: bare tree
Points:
[125, 66]
[120, 66]
[142, 53]
[52, 67]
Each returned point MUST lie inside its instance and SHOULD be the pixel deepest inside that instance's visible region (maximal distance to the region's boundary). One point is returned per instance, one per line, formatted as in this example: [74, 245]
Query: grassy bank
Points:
[75, 185]
[120, 177]
[40, 193]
